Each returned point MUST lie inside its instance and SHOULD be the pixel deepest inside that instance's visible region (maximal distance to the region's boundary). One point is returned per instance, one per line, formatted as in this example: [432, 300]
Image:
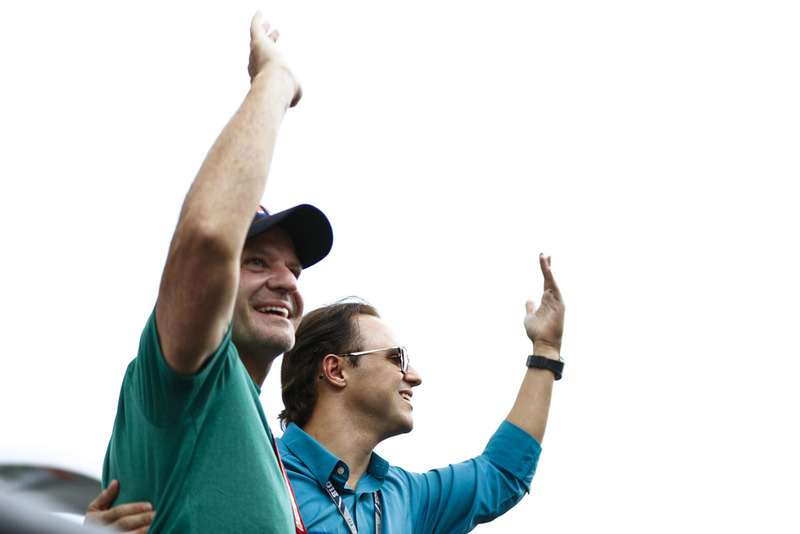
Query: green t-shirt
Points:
[199, 448]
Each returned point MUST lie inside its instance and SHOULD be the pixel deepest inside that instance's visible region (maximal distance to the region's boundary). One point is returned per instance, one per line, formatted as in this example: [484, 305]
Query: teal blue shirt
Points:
[450, 500]
[199, 448]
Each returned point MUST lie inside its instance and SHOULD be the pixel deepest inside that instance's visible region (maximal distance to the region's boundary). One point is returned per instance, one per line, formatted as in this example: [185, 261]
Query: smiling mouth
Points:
[274, 310]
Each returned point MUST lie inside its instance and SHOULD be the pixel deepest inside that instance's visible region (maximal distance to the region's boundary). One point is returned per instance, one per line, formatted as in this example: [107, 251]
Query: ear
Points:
[332, 371]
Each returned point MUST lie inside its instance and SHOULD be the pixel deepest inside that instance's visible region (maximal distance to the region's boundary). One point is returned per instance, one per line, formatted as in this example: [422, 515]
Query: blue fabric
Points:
[450, 500]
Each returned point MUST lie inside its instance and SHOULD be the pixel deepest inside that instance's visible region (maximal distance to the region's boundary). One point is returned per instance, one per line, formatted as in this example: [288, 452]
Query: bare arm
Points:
[201, 275]
[544, 327]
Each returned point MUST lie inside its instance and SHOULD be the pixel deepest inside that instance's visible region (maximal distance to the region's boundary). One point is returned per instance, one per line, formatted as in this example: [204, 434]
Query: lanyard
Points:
[299, 526]
[339, 502]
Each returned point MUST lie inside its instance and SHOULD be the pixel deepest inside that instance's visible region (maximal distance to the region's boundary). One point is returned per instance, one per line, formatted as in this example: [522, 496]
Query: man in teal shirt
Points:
[347, 386]
[190, 435]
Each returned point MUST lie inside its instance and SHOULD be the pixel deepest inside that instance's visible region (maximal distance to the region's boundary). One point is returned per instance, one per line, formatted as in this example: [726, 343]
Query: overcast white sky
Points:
[650, 147]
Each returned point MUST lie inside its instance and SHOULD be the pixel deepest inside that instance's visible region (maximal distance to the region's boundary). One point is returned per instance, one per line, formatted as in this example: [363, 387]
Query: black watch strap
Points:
[556, 366]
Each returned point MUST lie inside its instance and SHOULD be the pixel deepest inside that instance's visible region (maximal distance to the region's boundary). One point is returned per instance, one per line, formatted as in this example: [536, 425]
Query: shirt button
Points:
[340, 470]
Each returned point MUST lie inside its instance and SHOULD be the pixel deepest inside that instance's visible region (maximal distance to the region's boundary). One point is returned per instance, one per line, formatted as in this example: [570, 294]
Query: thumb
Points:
[106, 497]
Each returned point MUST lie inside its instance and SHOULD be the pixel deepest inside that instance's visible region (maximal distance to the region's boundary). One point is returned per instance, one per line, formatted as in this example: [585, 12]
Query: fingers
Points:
[133, 517]
[136, 522]
[106, 497]
[260, 27]
[130, 515]
[547, 273]
[530, 307]
[544, 263]
[255, 24]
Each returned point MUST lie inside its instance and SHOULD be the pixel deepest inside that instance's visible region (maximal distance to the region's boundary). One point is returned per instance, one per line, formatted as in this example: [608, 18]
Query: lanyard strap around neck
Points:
[339, 502]
[299, 526]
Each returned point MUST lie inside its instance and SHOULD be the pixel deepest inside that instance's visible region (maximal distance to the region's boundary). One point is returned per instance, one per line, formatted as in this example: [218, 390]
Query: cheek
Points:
[239, 313]
[249, 283]
[242, 303]
[298, 306]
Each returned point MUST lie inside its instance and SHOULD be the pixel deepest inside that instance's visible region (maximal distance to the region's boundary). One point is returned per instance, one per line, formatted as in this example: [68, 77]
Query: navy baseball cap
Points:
[306, 225]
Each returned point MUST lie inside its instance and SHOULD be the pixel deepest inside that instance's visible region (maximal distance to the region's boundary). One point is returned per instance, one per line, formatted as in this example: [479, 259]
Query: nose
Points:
[412, 377]
[282, 278]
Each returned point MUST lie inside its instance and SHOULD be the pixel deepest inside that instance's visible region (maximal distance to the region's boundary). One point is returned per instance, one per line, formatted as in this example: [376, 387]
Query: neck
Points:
[344, 440]
[257, 368]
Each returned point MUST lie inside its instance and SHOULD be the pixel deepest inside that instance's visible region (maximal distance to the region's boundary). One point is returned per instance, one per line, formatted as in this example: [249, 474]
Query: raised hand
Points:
[264, 55]
[545, 324]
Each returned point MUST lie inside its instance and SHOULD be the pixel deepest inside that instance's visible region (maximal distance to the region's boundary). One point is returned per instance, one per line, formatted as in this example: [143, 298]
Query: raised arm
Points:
[201, 275]
[544, 327]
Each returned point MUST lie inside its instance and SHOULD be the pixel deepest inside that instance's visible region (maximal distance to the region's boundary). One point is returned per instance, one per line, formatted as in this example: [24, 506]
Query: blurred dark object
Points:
[27, 514]
[65, 491]
[36, 499]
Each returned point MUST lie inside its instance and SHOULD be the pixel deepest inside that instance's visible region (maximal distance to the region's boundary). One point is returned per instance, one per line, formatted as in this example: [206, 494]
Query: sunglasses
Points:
[401, 356]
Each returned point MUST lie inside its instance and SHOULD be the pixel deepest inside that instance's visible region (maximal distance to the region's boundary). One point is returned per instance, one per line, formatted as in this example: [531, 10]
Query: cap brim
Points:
[308, 227]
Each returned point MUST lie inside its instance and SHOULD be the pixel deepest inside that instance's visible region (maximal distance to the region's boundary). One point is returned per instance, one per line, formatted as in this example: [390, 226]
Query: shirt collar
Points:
[325, 466]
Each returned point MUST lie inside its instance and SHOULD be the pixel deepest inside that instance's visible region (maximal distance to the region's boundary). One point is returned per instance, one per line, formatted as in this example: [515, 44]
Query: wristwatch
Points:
[556, 366]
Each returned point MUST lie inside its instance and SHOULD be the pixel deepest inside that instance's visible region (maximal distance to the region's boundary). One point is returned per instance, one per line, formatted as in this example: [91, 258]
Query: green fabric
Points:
[199, 448]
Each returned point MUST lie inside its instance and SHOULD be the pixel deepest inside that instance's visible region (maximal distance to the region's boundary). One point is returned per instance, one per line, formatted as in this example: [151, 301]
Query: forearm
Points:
[200, 279]
[532, 405]
[231, 181]
[201, 276]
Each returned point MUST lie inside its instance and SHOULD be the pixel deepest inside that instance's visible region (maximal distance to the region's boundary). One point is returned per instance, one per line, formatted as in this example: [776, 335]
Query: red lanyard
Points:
[299, 526]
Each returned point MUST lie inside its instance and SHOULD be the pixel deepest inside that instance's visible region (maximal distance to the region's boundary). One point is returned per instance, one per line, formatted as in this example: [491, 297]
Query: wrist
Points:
[541, 362]
[547, 350]
[277, 80]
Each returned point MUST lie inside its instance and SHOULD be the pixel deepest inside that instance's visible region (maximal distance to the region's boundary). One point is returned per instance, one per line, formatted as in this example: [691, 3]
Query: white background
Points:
[650, 147]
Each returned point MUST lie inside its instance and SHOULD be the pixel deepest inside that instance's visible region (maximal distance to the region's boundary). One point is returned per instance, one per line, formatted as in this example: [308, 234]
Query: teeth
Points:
[406, 396]
[277, 310]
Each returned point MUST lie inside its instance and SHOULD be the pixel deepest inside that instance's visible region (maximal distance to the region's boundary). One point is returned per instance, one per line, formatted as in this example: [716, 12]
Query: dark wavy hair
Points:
[327, 330]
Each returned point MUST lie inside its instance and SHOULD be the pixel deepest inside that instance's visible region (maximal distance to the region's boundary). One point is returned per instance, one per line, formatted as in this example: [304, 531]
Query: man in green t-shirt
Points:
[190, 435]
